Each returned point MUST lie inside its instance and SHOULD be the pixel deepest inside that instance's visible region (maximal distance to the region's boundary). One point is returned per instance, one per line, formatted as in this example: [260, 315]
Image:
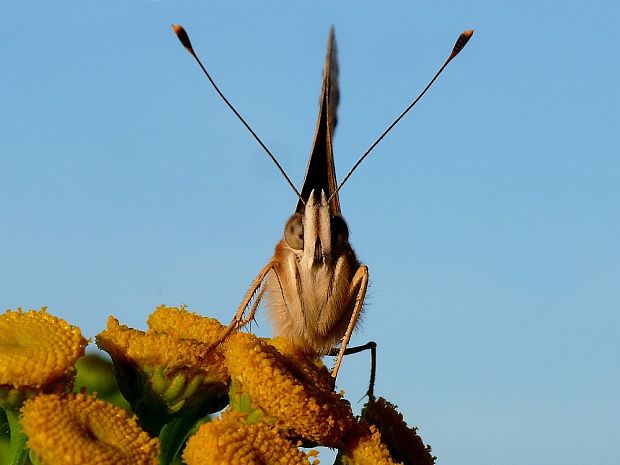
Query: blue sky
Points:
[489, 218]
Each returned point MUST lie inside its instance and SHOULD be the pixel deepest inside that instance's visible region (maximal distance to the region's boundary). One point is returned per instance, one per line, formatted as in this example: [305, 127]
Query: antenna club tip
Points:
[183, 37]
[461, 42]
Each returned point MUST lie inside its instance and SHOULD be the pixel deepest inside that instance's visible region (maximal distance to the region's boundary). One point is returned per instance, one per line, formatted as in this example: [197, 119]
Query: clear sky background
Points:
[489, 218]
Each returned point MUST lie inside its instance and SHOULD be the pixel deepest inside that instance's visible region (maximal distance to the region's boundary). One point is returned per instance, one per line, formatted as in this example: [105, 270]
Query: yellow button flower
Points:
[403, 442]
[292, 391]
[163, 371]
[78, 429]
[364, 447]
[37, 353]
[231, 441]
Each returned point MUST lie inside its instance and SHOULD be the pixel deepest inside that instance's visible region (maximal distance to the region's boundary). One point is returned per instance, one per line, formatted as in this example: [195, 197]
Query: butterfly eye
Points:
[340, 231]
[294, 232]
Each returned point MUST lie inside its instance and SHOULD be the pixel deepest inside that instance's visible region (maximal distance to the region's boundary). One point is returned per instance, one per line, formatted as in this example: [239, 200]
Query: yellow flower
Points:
[364, 447]
[182, 324]
[292, 391]
[403, 442]
[75, 429]
[163, 371]
[231, 441]
[37, 353]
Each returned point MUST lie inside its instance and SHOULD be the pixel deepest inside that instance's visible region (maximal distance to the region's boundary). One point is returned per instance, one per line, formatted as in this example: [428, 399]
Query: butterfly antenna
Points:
[458, 46]
[184, 38]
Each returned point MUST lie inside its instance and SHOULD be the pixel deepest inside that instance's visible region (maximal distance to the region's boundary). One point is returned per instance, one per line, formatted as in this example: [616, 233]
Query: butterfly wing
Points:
[320, 172]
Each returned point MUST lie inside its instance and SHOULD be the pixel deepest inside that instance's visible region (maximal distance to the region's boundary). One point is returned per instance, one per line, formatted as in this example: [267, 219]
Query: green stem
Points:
[17, 448]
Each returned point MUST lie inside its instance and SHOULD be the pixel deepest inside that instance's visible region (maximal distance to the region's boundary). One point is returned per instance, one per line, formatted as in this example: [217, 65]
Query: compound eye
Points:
[340, 231]
[294, 232]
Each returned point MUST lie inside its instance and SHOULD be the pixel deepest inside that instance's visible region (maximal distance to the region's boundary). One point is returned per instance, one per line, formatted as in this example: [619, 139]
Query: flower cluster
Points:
[174, 375]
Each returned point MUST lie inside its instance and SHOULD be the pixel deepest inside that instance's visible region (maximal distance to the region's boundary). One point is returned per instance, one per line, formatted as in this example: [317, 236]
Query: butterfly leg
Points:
[239, 320]
[372, 346]
[359, 282]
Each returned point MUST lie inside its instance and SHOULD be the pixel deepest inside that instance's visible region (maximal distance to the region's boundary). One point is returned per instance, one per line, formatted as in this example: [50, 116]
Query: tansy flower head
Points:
[293, 393]
[231, 441]
[363, 446]
[37, 353]
[75, 429]
[165, 373]
[180, 323]
[403, 442]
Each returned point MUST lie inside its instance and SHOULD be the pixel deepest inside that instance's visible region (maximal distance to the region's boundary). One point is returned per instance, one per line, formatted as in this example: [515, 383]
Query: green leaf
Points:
[18, 453]
[174, 435]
